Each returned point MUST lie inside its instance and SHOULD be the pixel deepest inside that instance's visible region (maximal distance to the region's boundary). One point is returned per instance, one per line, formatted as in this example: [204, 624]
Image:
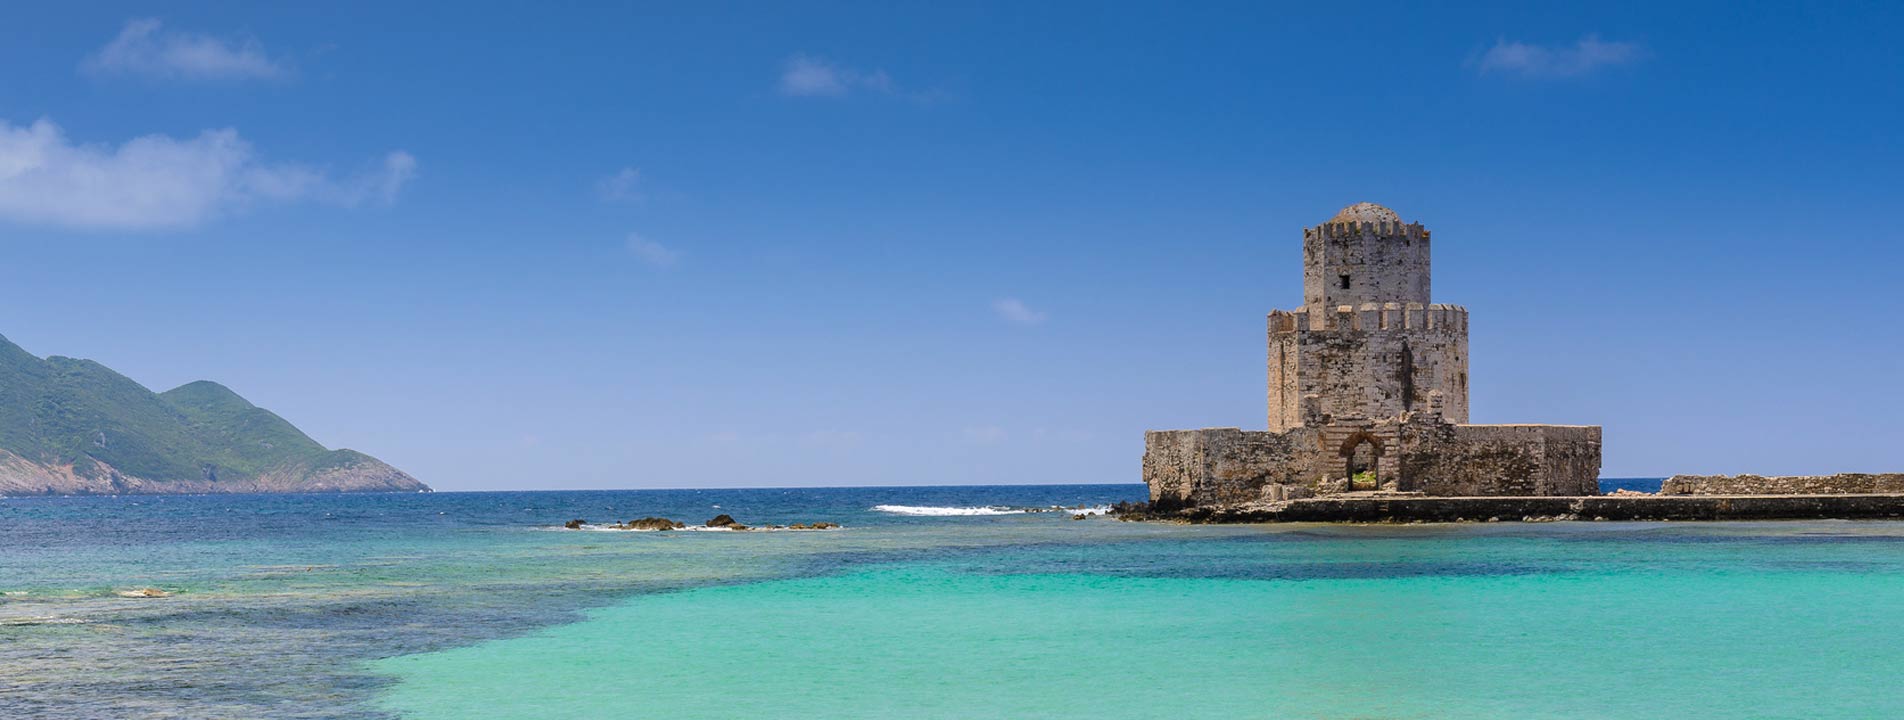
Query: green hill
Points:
[74, 426]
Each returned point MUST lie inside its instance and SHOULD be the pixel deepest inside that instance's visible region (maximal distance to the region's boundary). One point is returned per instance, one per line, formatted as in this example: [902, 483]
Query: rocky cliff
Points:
[72, 426]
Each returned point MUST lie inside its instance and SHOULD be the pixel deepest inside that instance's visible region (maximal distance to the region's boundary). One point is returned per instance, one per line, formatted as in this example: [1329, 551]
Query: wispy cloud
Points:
[1014, 311]
[983, 435]
[145, 47]
[157, 181]
[805, 76]
[1587, 55]
[622, 187]
[653, 253]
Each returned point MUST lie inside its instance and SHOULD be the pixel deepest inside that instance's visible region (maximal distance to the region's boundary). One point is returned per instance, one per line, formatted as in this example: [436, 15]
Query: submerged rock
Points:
[144, 593]
[575, 524]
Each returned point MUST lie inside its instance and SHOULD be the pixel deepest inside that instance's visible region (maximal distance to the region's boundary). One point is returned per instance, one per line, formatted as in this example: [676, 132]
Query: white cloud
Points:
[157, 181]
[803, 76]
[983, 435]
[145, 47]
[1590, 53]
[652, 252]
[1014, 311]
[621, 187]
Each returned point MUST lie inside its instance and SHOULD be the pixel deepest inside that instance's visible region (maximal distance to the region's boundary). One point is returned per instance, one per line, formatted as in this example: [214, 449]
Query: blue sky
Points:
[891, 243]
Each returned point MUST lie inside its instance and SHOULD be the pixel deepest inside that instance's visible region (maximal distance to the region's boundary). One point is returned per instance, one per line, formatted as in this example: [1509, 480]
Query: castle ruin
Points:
[1368, 392]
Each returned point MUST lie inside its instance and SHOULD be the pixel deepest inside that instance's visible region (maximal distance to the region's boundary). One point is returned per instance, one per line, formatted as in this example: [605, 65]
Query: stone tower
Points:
[1367, 343]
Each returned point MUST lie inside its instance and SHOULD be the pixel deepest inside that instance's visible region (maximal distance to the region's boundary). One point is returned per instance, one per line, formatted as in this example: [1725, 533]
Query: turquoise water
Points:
[485, 611]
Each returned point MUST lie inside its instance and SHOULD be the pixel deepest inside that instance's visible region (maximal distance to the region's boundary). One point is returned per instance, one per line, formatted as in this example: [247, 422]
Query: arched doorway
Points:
[1361, 461]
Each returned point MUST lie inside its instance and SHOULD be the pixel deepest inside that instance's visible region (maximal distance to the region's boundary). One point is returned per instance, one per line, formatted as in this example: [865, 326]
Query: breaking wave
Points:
[943, 511]
[930, 511]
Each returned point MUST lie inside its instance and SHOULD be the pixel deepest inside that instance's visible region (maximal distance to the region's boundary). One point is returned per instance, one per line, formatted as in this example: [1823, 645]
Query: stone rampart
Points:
[1841, 484]
[1456, 460]
[1224, 465]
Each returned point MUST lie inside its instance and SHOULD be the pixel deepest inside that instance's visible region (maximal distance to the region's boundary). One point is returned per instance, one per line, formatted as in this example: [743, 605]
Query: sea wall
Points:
[1840, 484]
[1603, 507]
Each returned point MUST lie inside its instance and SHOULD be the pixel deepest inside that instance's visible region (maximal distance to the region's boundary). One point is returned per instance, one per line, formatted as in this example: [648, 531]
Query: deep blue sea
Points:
[949, 602]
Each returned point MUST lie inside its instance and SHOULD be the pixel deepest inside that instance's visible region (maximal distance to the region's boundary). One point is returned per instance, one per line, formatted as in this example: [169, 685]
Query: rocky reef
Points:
[718, 522]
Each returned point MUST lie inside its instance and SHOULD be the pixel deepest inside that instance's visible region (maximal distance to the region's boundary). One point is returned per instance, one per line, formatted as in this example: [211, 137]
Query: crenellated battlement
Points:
[1372, 317]
[1383, 229]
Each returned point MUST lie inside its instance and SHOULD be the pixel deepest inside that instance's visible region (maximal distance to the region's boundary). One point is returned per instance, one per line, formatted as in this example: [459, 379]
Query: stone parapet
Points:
[1371, 317]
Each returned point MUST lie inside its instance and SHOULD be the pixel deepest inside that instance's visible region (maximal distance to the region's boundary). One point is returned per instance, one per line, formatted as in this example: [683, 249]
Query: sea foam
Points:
[953, 511]
[928, 510]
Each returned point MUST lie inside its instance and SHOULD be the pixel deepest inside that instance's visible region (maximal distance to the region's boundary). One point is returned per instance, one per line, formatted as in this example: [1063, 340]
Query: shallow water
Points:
[476, 606]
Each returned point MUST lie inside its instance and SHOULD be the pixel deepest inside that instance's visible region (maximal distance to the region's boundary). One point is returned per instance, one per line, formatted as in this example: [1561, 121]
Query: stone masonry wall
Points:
[1841, 484]
[1227, 466]
[1486, 460]
[1224, 465]
[1382, 261]
[1375, 361]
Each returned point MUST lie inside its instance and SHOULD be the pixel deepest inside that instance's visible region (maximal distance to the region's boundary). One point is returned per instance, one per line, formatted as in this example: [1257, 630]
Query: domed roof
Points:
[1366, 212]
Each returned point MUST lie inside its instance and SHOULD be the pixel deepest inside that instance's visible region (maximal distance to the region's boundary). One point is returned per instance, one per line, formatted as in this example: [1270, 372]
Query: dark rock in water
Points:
[653, 523]
[1077, 516]
[575, 524]
[1131, 511]
[722, 520]
[737, 526]
[824, 525]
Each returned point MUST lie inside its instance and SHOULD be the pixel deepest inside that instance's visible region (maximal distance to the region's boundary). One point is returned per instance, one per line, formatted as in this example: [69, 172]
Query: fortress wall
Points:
[1374, 361]
[1573, 460]
[1228, 466]
[1186, 468]
[1841, 484]
[1518, 460]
